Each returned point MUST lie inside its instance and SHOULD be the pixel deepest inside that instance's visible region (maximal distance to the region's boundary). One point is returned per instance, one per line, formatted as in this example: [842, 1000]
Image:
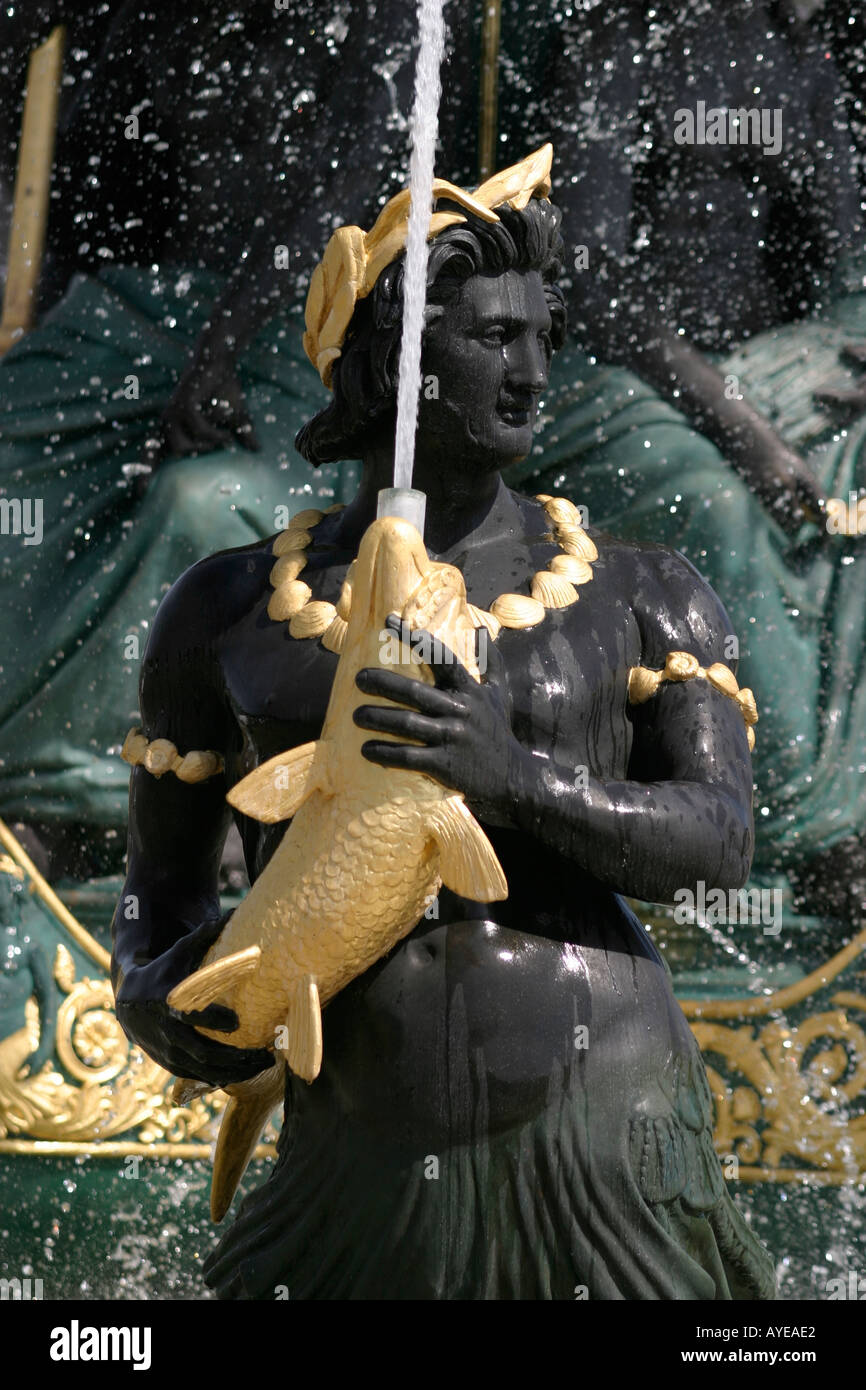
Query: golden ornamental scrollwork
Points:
[104, 1089]
[788, 1074]
[98, 1094]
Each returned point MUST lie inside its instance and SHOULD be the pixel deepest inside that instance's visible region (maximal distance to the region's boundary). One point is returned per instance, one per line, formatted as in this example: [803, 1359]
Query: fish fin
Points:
[467, 862]
[250, 1106]
[186, 1090]
[303, 1049]
[203, 987]
[278, 788]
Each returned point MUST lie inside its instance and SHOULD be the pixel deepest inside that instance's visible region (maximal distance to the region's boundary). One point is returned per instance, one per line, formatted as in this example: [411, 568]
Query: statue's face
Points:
[485, 362]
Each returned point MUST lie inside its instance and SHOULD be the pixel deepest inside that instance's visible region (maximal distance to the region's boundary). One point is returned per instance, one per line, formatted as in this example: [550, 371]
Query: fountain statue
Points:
[523, 721]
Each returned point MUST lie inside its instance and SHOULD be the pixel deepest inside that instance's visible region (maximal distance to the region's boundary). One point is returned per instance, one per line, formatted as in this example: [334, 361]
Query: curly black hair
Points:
[365, 375]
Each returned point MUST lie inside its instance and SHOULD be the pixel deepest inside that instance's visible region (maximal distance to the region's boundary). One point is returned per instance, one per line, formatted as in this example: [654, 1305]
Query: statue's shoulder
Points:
[674, 606]
[212, 596]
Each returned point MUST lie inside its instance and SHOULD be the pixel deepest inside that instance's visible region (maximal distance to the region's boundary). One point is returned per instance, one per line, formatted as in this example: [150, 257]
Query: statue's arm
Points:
[690, 382]
[611, 317]
[595, 127]
[169, 912]
[686, 817]
[685, 811]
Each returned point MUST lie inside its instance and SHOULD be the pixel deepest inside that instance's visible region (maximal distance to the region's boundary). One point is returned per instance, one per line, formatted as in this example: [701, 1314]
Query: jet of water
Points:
[425, 128]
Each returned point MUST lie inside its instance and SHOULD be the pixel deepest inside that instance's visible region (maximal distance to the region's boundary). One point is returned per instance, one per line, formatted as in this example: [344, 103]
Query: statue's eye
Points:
[493, 333]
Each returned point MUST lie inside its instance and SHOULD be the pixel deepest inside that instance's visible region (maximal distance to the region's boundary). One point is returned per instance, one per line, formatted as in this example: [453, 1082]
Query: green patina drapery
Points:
[797, 607]
[69, 677]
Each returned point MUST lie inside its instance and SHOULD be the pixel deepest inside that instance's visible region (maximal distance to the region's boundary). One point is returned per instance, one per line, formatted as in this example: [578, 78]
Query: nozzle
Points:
[405, 502]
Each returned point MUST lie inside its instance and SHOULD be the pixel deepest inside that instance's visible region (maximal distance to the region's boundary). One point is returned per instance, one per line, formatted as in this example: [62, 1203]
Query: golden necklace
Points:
[555, 587]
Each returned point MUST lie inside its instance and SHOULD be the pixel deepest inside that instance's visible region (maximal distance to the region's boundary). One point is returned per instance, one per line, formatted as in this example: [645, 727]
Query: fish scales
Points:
[320, 927]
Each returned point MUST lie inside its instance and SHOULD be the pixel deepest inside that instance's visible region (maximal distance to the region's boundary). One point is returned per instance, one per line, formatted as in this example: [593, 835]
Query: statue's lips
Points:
[515, 416]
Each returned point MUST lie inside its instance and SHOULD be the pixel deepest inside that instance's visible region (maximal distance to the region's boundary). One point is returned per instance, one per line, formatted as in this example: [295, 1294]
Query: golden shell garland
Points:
[292, 601]
[555, 587]
[161, 756]
[682, 666]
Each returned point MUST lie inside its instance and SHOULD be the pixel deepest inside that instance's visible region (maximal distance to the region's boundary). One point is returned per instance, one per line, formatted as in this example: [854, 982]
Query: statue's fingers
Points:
[217, 1016]
[407, 756]
[844, 402]
[238, 417]
[391, 685]
[205, 429]
[449, 673]
[245, 433]
[231, 1064]
[403, 723]
[854, 353]
[181, 442]
[809, 497]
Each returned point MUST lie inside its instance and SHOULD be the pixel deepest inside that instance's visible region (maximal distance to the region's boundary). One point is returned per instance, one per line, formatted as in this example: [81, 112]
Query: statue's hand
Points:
[207, 410]
[169, 1037]
[845, 404]
[462, 727]
[784, 484]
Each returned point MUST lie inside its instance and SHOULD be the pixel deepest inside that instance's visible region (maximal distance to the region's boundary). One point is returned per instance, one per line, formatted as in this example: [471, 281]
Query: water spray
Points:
[402, 499]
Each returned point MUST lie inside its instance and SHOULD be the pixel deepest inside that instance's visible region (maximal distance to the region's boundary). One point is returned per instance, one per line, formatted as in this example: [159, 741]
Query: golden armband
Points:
[161, 756]
[682, 666]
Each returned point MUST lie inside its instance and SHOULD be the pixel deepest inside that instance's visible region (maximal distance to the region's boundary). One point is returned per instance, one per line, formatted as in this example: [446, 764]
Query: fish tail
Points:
[250, 1106]
[205, 985]
[185, 1091]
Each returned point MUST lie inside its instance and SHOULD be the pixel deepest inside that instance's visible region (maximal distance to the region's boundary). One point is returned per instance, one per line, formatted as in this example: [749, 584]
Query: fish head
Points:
[392, 561]
[393, 574]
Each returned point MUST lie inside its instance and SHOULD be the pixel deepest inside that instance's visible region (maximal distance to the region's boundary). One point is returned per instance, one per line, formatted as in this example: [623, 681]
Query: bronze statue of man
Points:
[511, 1104]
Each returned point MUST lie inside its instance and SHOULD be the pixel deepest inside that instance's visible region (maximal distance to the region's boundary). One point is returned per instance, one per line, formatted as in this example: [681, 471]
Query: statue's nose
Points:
[527, 364]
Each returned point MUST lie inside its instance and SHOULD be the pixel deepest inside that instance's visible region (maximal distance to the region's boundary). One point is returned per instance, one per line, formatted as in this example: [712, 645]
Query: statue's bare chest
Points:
[563, 680]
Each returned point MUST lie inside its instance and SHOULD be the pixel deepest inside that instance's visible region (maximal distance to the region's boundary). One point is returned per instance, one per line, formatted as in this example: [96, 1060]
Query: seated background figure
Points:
[200, 162]
[511, 1104]
[704, 400]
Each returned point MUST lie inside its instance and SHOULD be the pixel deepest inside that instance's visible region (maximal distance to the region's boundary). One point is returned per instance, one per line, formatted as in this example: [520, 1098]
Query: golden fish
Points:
[367, 849]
